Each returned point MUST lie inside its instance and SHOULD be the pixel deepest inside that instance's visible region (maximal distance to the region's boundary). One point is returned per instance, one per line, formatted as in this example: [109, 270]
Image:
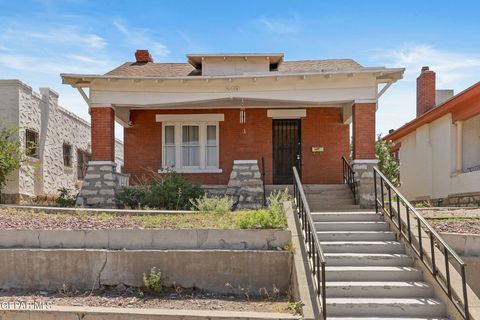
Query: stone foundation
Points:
[454, 200]
[245, 185]
[99, 186]
[365, 184]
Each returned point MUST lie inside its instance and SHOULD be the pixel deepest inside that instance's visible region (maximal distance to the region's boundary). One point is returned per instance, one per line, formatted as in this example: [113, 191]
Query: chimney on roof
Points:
[143, 56]
[425, 91]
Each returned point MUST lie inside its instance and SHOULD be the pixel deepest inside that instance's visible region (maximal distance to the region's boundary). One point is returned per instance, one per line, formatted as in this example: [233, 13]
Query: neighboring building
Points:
[217, 110]
[62, 141]
[439, 151]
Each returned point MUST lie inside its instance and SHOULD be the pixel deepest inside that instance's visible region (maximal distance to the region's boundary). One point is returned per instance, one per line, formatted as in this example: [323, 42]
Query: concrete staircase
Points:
[368, 274]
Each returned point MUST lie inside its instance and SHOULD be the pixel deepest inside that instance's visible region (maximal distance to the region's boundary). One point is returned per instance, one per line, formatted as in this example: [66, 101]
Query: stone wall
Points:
[454, 200]
[245, 185]
[55, 125]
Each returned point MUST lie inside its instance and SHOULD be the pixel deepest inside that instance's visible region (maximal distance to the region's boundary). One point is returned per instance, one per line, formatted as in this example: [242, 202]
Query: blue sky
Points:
[40, 39]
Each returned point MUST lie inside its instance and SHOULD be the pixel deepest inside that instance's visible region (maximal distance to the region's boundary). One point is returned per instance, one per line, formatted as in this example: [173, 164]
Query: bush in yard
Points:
[11, 153]
[169, 190]
[272, 218]
[386, 162]
[213, 204]
[152, 282]
[65, 199]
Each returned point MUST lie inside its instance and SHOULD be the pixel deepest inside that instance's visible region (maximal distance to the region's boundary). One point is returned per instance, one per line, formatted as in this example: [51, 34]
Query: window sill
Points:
[193, 170]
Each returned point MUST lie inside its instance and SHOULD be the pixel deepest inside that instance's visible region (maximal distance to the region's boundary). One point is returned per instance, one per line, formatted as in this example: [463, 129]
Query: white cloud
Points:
[56, 35]
[141, 39]
[279, 26]
[454, 70]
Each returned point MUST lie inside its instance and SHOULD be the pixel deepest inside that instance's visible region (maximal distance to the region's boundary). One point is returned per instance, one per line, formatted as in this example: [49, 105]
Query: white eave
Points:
[383, 75]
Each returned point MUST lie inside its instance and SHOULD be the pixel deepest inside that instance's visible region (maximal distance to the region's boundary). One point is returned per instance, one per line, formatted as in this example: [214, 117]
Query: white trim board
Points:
[286, 113]
[190, 117]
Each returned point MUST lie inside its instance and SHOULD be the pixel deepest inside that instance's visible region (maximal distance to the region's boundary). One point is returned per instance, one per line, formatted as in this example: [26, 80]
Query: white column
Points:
[459, 151]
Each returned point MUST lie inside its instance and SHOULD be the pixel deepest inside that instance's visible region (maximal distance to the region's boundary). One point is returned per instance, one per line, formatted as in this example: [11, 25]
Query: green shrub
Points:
[65, 199]
[169, 190]
[260, 219]
[213, 204]
[273, 218]
[152, 282]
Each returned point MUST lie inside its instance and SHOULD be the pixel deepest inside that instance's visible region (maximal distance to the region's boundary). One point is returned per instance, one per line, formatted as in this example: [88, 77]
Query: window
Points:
[190, 146]
[67, 155]
[31, 143]
[82, 162]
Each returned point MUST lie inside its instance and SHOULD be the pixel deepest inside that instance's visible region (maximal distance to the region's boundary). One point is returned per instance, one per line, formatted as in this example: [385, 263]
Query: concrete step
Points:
[362, 247]
[369, 259]
[387, 289]
[317, 201]
[386, 307]
[333, 208]
[356, 236]
[345, 216]
[352, 226]
[310, 188]
[372, 273]
[330, 195]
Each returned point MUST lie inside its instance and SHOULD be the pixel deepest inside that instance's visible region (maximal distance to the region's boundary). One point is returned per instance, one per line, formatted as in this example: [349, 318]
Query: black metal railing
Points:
[393, 204]
[349, 178]
[315, 254]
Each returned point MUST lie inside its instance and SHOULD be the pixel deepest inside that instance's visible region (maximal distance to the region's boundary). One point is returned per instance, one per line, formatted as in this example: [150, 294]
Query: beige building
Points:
[439, 151]
[62, 142]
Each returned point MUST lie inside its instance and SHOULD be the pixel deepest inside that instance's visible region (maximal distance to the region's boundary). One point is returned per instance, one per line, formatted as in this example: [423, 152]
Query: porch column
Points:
[364, 159]
[99, 185]
[459, 148]
[103, 134]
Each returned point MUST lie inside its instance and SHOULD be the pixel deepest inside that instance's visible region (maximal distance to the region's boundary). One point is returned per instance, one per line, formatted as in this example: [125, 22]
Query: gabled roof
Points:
[151, 69]
[464, 105]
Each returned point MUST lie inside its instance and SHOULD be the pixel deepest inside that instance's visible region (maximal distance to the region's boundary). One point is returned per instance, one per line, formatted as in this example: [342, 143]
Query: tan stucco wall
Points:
[427, 162]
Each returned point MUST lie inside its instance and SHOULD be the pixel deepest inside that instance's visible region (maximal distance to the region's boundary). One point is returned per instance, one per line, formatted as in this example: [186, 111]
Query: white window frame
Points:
[178, 141]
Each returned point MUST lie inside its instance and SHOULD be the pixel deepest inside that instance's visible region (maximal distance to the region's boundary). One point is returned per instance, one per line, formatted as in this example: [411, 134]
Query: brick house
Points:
[439, 150]
[201, 116]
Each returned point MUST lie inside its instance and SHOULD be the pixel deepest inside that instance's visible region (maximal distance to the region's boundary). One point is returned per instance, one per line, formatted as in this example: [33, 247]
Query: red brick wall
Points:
[103, 134]
[252, 140]
[425, 91]
[364, 131]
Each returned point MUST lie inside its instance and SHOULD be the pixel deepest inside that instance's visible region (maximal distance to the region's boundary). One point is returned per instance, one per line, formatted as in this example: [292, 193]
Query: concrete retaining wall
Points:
[231, 272]
[147, 239]
[99, 313]
[468, 247]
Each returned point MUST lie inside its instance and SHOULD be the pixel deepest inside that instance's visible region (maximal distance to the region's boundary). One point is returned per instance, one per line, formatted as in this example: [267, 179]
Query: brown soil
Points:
[132, 298]
[454, 220]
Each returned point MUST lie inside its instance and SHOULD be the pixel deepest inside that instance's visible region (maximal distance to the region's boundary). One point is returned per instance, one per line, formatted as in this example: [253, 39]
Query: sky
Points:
[39, 39]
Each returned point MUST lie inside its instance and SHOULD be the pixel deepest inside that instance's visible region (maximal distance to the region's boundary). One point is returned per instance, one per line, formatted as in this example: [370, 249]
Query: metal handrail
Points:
[386, 189]
[349, 178]
[314, 250]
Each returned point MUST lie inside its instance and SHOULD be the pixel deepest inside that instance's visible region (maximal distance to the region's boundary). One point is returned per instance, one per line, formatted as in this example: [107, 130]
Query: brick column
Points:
[103, 134]
[364, 158]
[100, 183]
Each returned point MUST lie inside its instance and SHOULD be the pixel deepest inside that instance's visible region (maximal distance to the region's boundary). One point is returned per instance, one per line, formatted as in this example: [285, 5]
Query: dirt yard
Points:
[170, 298]
[26, 219]
[453, 219]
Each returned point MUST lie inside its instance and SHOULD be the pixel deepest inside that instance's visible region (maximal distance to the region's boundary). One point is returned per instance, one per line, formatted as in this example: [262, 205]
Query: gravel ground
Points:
[11, 218]
[454, 220]
[130, 298]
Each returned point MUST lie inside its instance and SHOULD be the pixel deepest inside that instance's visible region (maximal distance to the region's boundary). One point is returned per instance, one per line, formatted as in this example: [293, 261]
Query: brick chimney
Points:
[143, 56]
[425, 91]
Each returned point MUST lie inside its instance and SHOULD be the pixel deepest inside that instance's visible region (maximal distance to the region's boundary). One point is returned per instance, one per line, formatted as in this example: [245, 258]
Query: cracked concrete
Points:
[147, 239]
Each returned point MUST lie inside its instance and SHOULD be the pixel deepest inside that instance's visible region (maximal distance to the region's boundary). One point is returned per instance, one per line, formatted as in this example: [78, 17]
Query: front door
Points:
[286, 150]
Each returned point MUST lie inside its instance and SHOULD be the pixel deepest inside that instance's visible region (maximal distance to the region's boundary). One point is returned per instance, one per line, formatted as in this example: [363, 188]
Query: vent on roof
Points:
[143, 56]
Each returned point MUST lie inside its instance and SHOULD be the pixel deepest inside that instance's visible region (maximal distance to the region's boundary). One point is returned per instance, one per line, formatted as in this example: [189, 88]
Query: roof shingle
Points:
[151, 69]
